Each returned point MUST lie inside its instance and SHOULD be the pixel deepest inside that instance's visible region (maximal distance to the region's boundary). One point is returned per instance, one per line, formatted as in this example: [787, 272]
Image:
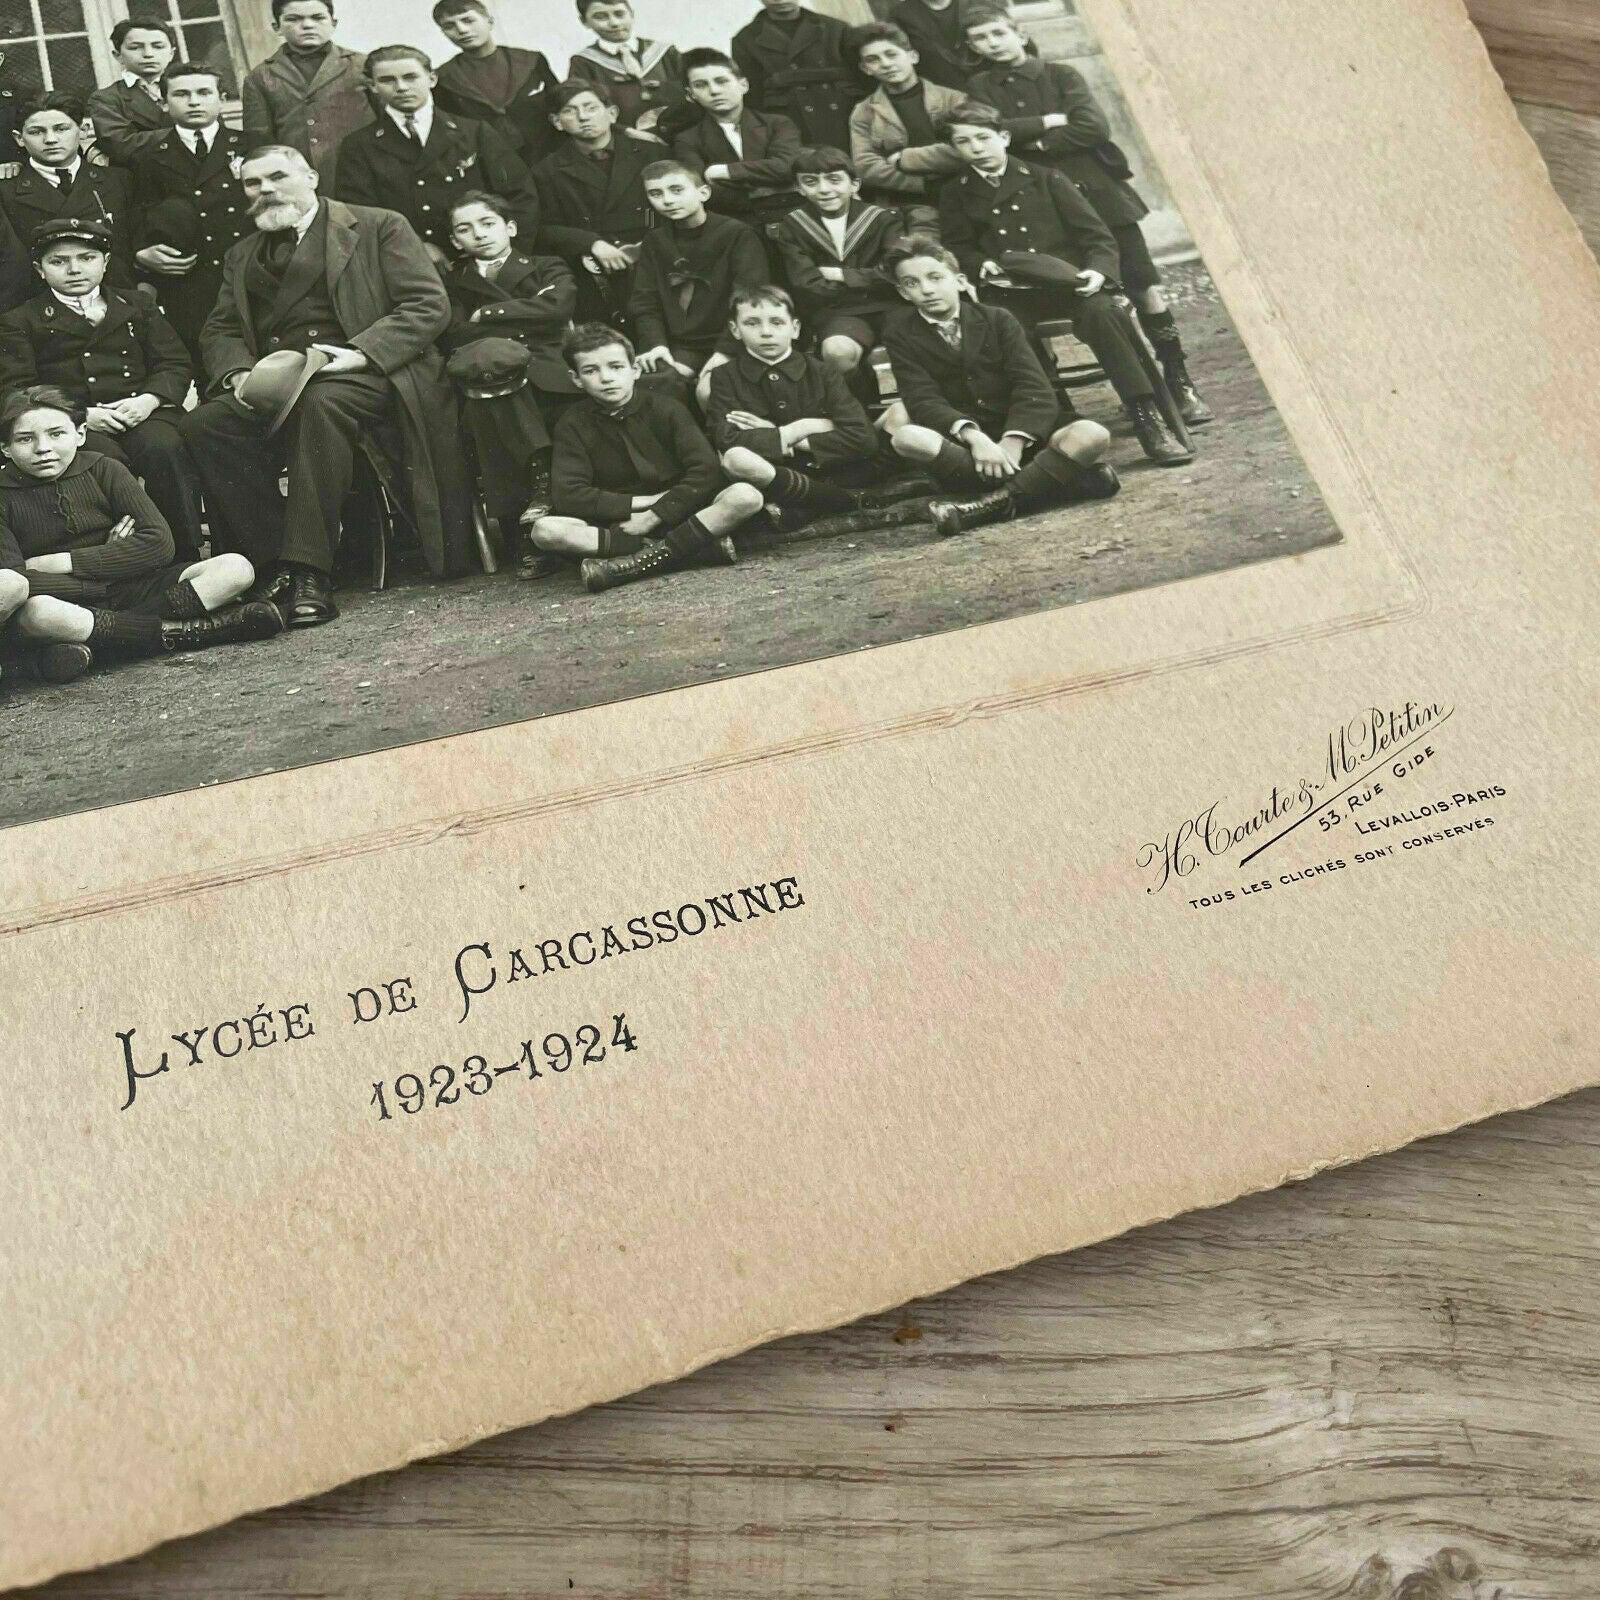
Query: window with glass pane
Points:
[202, 33]
[46, 44]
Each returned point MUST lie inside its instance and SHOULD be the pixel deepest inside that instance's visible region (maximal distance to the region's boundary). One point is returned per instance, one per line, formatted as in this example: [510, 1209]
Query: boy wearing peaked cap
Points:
[116, 355]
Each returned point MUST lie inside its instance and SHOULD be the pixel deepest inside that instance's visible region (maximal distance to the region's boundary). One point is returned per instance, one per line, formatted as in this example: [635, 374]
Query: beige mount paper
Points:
[980, 1037]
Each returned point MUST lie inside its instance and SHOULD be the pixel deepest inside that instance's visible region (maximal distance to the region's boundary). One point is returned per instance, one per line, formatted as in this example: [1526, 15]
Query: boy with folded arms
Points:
[635, 485]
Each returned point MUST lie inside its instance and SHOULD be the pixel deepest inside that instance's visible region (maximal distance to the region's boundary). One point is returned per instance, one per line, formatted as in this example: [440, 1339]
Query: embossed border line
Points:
[464, 824]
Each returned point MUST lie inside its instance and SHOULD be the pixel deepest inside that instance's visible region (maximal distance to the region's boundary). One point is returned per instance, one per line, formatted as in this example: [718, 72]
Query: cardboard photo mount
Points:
[974, 1028]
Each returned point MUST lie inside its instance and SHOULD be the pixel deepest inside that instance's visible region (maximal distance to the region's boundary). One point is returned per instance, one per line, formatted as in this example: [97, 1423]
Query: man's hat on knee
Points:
[276, 382]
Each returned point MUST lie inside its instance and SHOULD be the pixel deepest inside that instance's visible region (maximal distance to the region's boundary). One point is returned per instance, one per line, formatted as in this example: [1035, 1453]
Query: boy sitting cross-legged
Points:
[98, 555]
[634, 483]
[979, 411]
[688, 266]
[786, 421]
[833, 248]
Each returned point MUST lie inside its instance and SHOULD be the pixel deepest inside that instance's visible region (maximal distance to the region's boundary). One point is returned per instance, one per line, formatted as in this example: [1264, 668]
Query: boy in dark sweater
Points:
[97, 554]
[975, 405]
[833, 248]
[112, 350]
[787, 422]
[634, 483]
[1051, 114]
[689, 265]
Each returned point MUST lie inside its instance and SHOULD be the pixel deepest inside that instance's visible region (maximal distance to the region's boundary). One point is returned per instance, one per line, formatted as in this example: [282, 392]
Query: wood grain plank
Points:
[1548, 51]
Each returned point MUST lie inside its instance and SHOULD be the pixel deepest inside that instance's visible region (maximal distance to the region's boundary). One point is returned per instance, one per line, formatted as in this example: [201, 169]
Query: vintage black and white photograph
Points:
[378, 370]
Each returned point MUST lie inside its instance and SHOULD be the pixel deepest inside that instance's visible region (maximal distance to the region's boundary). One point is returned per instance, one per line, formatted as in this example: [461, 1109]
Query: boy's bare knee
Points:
[916, 442]
[841, 352]
[234, 570]
[1082, 441]
[740, 461]
[41, 615]
[743, 499]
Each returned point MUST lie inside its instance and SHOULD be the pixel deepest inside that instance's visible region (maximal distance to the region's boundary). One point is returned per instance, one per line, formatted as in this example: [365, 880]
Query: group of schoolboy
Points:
[654, 286]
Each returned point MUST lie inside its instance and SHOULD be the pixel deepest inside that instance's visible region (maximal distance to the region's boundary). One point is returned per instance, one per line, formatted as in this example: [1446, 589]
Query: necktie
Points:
[950, 332]
[411, 129]
[631, 63]
[61, 178]
[150, 89]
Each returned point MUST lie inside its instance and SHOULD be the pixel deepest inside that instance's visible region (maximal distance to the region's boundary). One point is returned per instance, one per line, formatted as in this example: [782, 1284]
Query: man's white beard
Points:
[274, 219]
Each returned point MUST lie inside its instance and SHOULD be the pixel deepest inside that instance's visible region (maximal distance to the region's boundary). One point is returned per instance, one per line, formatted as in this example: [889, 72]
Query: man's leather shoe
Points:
[1155, 438]
[254, 619]
[62, 661]
[957, 516]
[274, 588]
[536, 563]
[310, 599]
[1191, 407]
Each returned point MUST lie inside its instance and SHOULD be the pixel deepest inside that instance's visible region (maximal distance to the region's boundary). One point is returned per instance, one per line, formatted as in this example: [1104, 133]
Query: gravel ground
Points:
[421, 660]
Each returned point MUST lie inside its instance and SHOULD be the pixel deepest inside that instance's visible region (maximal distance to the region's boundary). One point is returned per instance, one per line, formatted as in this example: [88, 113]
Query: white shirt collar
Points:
[83, 304]
[192, 136]
[422, 119]
[487, 267]
[134, 81]
[302, 225]
[71, 169]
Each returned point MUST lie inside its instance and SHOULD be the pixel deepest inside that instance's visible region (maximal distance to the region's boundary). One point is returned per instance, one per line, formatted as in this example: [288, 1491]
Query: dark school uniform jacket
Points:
[701, 266]
[994, 379]
[806, 246]
[282, 107]
[939, 39]
[797, 387]
[1028, 92]
[657, 85]
[764, 169]
[74, 513]
[602, 460]
[126, 121]
[531, 300]
[524, 119]
[800, 71]
[98, 194]
[209, 185]
[1030, 208]
[582, 201]
[132, 350]
[380, 166]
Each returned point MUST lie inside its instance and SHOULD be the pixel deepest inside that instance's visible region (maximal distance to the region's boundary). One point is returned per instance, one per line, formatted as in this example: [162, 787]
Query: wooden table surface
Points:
[1383, 1384]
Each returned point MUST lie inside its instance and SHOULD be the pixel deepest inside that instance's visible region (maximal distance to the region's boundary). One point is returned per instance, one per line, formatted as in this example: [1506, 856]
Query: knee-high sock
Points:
[1050, 478]
[133, 632]
[953, 465]
[181, 603]
[803, 489]
[688, 539]
[1161, 328]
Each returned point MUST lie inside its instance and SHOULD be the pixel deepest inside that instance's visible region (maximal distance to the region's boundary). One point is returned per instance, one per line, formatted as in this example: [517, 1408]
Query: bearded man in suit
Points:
[353, 284]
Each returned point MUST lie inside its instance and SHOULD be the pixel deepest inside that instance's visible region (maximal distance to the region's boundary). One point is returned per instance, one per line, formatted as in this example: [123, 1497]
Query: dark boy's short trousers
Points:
[864, 325]
[1139, 271]
[142, 593]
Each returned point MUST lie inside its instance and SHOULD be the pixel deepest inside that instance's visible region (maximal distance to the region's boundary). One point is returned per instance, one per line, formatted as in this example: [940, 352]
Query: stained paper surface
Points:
[1042, 938]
